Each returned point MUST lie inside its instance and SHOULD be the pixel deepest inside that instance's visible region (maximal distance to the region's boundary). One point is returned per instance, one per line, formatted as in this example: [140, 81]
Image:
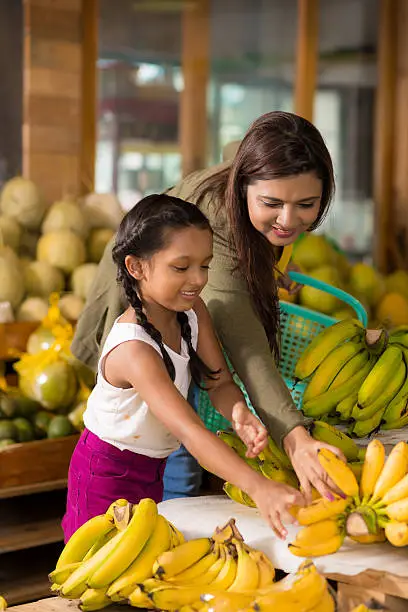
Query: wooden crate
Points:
[33, 465]
[13, 338]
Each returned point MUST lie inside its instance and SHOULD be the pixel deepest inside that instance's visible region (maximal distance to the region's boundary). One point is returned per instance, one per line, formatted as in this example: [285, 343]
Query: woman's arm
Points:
[168, 405]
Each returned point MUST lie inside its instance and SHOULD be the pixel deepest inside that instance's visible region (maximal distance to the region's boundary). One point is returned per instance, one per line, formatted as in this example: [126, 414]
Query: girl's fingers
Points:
[278, 526]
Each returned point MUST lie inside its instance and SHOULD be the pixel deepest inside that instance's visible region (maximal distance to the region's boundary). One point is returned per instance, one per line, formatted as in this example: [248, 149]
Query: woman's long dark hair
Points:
[144, 231]
[276, 145]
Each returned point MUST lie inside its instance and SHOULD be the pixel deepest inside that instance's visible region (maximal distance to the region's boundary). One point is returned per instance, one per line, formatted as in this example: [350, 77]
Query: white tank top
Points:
[120, 416]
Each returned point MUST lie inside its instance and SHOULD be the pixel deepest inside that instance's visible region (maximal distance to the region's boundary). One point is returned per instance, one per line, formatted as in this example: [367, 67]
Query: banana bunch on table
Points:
[374, 507]
[356, 376]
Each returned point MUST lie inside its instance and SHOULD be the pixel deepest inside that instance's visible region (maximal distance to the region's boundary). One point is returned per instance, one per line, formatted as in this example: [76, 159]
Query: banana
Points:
[357, 468]
[94, 599]
[328, 401]
[174, 597]
[368, 427]
[376, 340]
[318, 549]
[76, 583]
[345, 407]
[380, 403]
[83, 539]
[139, 597]
[327, 371]
[339, 472]
[3, 603]
[321, 509]
[238, 495]
[205, 579]
[226, 601]
[227, 575]
[398, 423]
[201, 567]
[317, 532]
[227, 533]
[141, 568]
[396, 533]
[400, 339]
[353, 366]
[178, 559]
[378, 379]
[59, 576]
[331, 435]
[397, 492]
[273, 451]
[394, 469]
[239, 447]
[320, 347]
[247, 576]
[362, 521]
[369, 538]
[273, 471]
[326, 604]
[180, 537]
[373, 465]
[265, 567]
[398, 511]
[101, 541]
[119, 503]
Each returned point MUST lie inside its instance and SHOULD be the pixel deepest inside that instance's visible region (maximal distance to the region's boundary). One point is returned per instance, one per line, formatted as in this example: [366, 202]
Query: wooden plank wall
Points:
[53, 95]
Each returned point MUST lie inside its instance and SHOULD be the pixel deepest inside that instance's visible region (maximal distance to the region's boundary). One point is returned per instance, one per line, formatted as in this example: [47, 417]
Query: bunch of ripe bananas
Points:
[375, 509]
[274, 464]
[133, 554]
[357, 376]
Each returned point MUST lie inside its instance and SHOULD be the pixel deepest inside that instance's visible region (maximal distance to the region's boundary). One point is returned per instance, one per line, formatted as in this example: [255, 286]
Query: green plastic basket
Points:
[299, 325]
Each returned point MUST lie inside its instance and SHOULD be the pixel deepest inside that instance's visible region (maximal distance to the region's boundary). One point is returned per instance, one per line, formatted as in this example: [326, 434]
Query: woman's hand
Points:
[285, 282]
[250, 429]
[274, 501]
[302, 450]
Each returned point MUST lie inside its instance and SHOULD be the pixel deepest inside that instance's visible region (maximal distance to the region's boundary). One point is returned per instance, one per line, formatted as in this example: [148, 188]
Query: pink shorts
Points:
[100, 473]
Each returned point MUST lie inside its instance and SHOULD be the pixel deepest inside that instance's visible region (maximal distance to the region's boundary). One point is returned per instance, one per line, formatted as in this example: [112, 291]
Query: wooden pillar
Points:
[195, 66]
[384, 129]
[55, 37]
[307, 51]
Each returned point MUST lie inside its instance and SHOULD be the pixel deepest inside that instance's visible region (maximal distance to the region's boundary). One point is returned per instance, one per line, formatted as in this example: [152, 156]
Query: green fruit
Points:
[76, 416]
[25, 430]
[42, 421]
[56, 386]
[59, 427]
[26, 407]
[6, 442]
[7, 430]
[8, 406]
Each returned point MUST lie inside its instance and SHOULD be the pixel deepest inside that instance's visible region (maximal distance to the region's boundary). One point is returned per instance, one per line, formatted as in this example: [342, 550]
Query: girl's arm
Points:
[146, 372]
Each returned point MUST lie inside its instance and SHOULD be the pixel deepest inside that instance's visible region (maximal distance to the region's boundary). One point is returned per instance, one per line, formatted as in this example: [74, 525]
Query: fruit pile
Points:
[384, 297]
[375, 510]
[133, 554]
[274, 464]
[51, 249]
[357, 376]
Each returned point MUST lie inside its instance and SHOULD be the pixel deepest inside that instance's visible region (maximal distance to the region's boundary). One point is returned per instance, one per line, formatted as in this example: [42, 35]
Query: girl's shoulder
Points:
[125, 331]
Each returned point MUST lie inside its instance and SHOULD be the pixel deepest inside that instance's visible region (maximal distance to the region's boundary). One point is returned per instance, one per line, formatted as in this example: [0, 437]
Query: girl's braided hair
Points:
[144, 231]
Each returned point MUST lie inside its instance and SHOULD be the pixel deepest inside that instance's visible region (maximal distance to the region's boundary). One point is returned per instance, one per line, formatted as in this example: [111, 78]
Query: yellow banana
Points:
[238, 495]
[397, 492]
[138, 598]
[318, 549]
[62, 574]
[339, 472]
[265, 567]
[327, 371]
[101, 541]
[83, 539]
[178, 559]
[141, 568]
[398, 423]
[201, 567]
[127, 549]
[321, 509]
[318, 532]
[326, 604]
[205, 579]
[119, 503]
[378, 379]
[237, 445]
[180, 537]
[345, 407]
[226, 601]
[227, 574]
[367, 427]
[398, 511]
[325, 403]
[355, 364]
[331, 435]
[382, 401]
[322, 345]
[396, 533]
[174, 597]
[94, 599]
[373, 465]
[247, 576]
[3, 603]
[369, 538]
[272, 451]
[394, 469]
[77, 580]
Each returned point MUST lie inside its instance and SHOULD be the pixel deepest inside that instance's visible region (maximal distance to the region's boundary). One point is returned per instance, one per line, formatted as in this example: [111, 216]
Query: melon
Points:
[21, 200]
[62, 249]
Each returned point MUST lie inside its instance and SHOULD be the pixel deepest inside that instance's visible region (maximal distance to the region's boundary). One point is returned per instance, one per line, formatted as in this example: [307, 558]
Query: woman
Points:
[279, 185]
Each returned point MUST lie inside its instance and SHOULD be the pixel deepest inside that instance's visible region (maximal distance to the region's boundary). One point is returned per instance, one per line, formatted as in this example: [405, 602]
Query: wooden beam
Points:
[384, 129]
[307, 48]
[195, 66]
[90, 26]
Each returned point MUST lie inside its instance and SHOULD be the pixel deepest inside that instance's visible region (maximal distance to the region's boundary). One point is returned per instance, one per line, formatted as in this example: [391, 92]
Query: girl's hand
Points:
[250, 429]
[302, 450]
[274, 501]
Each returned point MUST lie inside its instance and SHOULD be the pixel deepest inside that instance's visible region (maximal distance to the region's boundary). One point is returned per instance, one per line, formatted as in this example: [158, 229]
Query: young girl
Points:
[137, 414]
